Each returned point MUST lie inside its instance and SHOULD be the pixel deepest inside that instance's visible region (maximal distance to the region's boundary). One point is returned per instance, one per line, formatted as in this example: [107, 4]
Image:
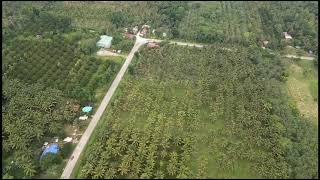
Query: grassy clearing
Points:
[117, 59]
[302, 85]
[100, 92]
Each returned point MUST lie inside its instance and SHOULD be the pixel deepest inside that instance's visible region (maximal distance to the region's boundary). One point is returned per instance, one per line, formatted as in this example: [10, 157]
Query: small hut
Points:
[287, 36]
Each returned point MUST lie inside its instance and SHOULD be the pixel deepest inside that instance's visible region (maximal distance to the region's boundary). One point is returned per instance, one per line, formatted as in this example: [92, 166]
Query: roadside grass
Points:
[313, 85]
[302, 85]
[56, 170]
[117, 59]
[295, 51]
[100, 92]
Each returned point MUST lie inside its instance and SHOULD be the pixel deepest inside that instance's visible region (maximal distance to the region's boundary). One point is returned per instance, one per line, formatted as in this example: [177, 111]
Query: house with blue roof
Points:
[52, 148]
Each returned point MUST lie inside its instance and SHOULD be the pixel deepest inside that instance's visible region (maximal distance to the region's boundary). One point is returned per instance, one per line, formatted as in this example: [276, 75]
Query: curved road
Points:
[86, 135]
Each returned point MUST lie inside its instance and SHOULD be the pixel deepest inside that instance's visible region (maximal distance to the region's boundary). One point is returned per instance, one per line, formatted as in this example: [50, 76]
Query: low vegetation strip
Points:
[302, 86]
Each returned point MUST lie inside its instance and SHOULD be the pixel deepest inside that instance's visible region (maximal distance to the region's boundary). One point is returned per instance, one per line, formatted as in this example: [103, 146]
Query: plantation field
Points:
[228, 110]
[246, 23]
[174, 118]
[48, 69]
[58, 64]
[221, 21]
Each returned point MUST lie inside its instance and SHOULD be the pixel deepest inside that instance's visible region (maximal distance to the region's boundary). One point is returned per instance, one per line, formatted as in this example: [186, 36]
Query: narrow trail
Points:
[300, 57]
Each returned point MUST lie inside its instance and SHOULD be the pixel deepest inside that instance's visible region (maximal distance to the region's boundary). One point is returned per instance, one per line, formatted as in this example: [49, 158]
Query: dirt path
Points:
[186, 44]
[300, 57]
[103, 52]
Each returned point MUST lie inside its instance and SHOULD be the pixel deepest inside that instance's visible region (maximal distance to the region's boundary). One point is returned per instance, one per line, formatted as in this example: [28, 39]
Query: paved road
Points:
[86, 135]
[300, 57]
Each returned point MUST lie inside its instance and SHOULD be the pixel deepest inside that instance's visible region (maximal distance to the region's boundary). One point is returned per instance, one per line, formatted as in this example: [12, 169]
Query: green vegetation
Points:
[249, 23]
[119, 42]
[314, 89]
[48, 69]
[30, 113]
[246, 23]
[175, 119]
[229, 110]
[58, 62]
[302, 85]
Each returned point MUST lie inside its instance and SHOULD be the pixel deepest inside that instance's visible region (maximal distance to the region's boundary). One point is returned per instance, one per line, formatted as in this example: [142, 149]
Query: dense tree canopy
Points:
[47, 68]
[243, 22]
[30, 113]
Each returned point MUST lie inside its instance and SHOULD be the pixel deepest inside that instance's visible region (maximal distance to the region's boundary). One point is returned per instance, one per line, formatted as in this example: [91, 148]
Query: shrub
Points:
[314, 89]
[49, 160]
[66, 150]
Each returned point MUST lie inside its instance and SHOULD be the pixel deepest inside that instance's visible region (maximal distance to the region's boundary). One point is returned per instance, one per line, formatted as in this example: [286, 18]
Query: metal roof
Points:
[53, 148]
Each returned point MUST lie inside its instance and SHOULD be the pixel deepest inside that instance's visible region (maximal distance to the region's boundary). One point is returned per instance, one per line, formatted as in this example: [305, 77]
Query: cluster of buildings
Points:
[286, 35]
[106, 41]
[54, 147]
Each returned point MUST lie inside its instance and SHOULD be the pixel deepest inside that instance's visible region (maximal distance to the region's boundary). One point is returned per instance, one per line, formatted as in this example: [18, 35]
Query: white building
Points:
[83, 117]
[287, 36]
[67, 139]
[135, 30]
[164, 34]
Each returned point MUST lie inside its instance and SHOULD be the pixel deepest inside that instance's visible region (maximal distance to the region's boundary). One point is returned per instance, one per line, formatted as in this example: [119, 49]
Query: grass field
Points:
[302, 85]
